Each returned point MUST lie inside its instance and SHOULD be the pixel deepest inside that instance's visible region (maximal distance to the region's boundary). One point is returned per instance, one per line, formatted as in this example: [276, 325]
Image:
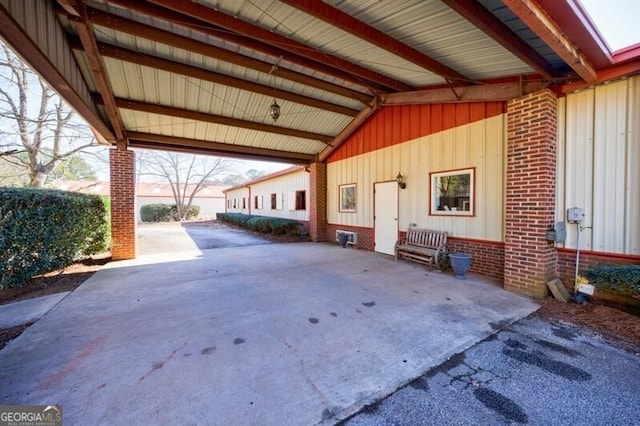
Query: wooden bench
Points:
[424, 246]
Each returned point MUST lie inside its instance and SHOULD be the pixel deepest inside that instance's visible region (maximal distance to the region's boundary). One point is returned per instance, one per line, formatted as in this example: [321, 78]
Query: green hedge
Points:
[262, 224]
[165, 213]
[44, 230]
[156, 213]
[615, 277]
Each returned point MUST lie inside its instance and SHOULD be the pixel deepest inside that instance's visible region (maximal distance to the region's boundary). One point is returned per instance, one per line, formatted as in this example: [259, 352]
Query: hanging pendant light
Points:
[274, 110]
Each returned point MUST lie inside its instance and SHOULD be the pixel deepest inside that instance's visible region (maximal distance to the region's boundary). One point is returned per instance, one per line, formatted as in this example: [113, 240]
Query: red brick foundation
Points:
[487, 256]
[318, 201]
[529, 260]
[365, 235]
[123, 217]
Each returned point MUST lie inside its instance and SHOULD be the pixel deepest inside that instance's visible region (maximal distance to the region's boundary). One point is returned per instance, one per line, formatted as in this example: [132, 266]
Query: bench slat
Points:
[422, 245]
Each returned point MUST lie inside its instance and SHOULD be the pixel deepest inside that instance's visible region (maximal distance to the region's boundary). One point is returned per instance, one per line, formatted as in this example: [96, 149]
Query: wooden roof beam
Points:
[118, 23]
[251, 43]
[170, 143]
[478, 93]
[88, 39]
[218, 119]
[348, 130]
[110, 51]
[484, 20]
[13, 33]
[532, 14]
[347, 23]
[239, 26]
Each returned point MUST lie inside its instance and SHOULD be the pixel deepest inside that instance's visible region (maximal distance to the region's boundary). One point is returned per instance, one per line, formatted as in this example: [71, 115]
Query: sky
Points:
[618, 21]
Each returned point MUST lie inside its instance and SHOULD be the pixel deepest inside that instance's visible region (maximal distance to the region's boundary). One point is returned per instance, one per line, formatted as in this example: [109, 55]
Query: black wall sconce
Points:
[400, 180]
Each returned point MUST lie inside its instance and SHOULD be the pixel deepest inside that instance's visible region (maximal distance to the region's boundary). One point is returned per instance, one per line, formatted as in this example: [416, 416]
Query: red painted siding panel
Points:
[462, 114]
[397, 124]
[449, 116]
[414, 114]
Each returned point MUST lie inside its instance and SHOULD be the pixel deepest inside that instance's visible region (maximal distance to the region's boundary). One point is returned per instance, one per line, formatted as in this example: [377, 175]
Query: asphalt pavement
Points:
[533, 372]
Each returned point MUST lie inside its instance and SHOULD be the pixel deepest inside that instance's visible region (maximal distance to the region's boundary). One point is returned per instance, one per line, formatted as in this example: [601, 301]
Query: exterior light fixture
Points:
[274, 108]
[274, 111]
[400, 180]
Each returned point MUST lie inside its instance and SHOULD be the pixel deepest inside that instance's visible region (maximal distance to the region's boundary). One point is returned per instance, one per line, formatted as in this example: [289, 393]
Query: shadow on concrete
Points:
[213, 234]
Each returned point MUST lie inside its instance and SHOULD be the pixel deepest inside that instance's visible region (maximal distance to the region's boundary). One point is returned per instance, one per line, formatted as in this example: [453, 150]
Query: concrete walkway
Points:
[26, 311]
[278, 334]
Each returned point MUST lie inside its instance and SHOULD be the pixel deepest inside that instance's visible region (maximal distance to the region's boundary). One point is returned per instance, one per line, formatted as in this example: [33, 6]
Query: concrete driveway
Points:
[263, 334]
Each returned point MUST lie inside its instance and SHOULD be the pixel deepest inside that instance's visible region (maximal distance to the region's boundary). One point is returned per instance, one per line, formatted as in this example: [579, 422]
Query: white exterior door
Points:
[385, 216]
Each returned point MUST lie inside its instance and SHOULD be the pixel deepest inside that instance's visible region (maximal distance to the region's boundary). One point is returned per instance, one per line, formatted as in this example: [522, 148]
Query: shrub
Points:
[624, 278]
[193, 213]
[165, 213]
[44, 230]
[262, 224]
[157, 213]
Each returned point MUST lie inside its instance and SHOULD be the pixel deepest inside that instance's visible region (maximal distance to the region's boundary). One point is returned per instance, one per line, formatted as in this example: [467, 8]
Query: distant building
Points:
[282, 194]
[210, 199]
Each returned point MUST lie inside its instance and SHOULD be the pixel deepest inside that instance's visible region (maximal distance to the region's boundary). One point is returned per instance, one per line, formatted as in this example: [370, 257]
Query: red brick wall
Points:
[123, 220]
[567, 262]
[318, 201]
[487, 256]
[365, 235]
[530, 261]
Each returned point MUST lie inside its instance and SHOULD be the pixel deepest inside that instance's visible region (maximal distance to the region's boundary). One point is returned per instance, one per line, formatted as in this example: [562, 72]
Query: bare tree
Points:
[187, 174]
[38, 130]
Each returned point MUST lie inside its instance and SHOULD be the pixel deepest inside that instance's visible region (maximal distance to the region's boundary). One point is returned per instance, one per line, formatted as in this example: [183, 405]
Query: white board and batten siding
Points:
[285, 185]
[599, 165]
[234, 198]
[480, 144]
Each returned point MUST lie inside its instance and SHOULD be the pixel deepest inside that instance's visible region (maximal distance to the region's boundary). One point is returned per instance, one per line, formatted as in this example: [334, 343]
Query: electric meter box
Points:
[575, 215]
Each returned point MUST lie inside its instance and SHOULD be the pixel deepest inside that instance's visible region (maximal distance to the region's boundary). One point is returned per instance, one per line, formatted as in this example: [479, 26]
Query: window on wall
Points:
[301, 200]
[255, 202]
[452, 193]
[235, 203]
[348, 198]
[274, 201]
[244, 202]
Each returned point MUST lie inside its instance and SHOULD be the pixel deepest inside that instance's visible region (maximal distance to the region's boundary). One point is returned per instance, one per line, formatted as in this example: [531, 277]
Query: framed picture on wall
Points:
[452, 192]
[348, 198]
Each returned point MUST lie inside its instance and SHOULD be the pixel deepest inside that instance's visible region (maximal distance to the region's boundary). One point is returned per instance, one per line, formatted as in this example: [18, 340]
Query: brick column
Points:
[529, 260]
[123, 214]
[318, 202]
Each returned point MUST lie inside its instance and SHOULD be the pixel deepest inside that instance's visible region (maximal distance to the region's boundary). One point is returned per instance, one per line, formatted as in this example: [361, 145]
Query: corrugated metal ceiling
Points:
[427, 26]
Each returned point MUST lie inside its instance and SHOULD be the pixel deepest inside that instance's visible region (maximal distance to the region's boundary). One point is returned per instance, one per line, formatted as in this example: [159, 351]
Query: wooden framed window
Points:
[452, 193]
[347, 198]
[301, 200]
[244, 203]
[274, 201]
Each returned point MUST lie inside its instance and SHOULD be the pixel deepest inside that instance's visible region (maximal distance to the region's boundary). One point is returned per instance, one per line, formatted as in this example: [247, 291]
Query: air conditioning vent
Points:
[352, 237]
